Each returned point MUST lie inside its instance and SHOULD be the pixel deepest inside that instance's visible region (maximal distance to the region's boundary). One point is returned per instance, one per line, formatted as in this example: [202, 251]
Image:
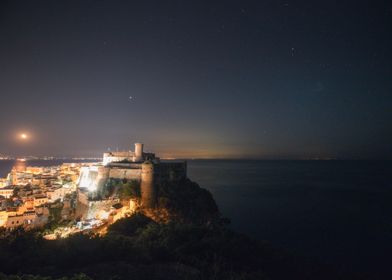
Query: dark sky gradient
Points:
[260, 79]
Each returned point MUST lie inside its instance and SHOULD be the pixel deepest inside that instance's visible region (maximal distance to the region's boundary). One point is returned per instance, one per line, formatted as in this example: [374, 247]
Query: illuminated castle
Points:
[128, 156]
[144, 167]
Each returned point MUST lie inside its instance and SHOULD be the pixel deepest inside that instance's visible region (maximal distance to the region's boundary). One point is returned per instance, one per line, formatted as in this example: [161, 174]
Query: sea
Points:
[336, 212]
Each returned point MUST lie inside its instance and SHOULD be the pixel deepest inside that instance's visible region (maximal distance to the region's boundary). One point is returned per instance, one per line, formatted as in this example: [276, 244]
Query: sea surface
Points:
[337, 212]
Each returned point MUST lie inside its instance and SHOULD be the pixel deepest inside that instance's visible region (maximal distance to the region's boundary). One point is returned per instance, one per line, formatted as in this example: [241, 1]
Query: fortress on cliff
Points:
[150, 171]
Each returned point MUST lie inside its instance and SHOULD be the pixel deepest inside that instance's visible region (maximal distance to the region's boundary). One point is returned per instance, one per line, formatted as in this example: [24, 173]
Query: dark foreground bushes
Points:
[138, 248]
[134, 248]
[33, 277]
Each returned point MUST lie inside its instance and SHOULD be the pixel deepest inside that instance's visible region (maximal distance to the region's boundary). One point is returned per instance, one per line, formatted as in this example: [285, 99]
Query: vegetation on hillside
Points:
[129, 189]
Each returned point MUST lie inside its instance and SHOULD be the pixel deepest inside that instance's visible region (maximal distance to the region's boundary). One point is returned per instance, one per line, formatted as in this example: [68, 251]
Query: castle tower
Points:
[138, 152]
[147, 185]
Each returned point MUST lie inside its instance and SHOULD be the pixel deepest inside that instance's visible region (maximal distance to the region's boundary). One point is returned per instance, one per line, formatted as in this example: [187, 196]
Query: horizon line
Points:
[277, 158]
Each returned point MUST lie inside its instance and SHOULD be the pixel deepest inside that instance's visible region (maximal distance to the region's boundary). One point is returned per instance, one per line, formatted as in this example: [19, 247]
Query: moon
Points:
[23, 136]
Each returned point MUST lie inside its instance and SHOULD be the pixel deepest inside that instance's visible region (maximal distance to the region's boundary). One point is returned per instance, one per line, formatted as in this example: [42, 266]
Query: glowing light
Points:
[87, 179]
[23, 136]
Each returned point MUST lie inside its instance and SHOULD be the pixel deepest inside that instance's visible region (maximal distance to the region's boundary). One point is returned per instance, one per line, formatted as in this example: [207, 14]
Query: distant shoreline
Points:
[200, 159]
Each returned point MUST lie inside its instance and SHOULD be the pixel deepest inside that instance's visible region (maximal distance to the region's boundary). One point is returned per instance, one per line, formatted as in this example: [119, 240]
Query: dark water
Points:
[339, 212]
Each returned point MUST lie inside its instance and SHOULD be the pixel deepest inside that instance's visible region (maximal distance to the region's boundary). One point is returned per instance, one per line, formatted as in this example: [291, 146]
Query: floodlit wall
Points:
[93, 177]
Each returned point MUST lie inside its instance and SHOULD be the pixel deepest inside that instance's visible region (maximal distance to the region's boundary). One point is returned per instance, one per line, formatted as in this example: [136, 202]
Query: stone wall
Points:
[129, 174]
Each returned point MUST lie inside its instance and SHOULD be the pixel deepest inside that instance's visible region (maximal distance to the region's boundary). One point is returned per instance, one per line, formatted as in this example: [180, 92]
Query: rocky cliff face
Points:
[186, 201]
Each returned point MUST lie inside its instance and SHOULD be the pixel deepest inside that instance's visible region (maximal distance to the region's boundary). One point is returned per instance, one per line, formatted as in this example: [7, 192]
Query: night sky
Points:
[228, 79]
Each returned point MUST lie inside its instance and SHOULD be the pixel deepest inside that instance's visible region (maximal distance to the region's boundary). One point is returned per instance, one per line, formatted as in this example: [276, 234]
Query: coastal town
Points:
[74, 197]
[32, 197]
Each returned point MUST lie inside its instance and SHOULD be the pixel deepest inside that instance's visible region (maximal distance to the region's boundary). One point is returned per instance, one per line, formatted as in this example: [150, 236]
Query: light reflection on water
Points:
[20, 165]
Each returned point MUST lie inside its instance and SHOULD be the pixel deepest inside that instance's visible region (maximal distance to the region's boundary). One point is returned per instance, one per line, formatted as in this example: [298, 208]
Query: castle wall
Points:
[125, 165]
[116, 157]
[129, 174]
[127, 156]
